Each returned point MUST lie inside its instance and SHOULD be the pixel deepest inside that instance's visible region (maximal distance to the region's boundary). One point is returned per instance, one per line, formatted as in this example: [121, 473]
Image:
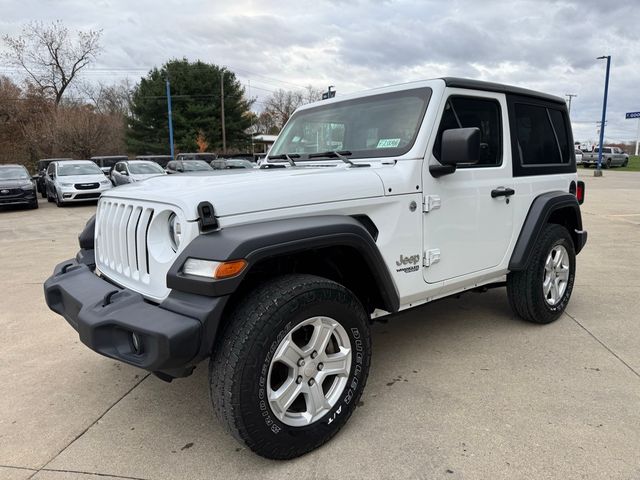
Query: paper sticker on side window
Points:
[388, 143]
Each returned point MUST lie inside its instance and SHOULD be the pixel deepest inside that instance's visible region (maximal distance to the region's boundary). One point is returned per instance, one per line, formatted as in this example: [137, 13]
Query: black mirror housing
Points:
[460, 146]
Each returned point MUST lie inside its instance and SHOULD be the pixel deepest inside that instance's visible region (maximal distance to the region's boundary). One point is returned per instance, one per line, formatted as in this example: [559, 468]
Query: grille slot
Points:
[86, 186]
[121, 239]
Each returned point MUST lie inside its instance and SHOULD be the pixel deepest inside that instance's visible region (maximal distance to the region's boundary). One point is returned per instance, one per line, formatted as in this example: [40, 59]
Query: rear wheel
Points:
[291, 365]
[541, 292]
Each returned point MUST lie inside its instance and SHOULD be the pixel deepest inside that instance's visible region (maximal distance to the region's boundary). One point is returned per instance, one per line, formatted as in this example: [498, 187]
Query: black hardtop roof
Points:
[500, 88]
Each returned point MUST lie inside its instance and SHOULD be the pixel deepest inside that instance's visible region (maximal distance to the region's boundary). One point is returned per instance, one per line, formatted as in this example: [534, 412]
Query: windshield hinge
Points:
[431, 202]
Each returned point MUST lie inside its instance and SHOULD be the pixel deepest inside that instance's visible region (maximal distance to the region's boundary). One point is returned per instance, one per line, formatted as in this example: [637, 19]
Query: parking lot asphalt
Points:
[458, 389]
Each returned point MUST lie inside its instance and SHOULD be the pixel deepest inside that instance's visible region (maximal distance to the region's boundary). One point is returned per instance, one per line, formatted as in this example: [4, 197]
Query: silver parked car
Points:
[74, 181]
[135, 171]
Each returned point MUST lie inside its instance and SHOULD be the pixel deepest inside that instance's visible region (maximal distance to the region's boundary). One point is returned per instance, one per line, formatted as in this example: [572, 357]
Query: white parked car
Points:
[132, 171]
[384, 200]
[74, 181]
[578, 157]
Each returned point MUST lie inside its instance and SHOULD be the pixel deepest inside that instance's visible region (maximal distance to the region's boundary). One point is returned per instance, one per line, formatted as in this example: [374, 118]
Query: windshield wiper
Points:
[285, 156]
[342, 155]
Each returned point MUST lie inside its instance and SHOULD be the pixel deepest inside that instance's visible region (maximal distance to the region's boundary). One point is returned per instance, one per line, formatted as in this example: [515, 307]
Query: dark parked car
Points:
[42, 170]
[106, 163]
[17, 186]
[183, 166]
[161, 160]
[133, 171]
[227, 163]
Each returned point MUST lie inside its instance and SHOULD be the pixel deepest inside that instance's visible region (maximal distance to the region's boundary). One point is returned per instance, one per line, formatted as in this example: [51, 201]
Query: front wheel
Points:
[541, 292]
[291, 365]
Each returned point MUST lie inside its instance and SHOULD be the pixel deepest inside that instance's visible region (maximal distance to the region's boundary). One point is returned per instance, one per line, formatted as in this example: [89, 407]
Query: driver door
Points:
[468, 229]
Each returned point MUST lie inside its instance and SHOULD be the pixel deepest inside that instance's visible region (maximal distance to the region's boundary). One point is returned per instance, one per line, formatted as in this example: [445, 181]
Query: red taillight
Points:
[580, 192]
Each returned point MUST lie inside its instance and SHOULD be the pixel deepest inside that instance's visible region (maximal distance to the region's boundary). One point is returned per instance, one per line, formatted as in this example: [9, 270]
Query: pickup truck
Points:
[611, 157]
[381, 201]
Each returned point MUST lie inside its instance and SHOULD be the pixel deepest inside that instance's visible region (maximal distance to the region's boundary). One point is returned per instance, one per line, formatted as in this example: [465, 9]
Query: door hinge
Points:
[431, 202]
[430, 257]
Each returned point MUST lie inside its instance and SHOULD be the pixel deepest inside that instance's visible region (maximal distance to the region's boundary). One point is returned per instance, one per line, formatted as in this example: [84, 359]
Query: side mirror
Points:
[124, 172]
[460, 146]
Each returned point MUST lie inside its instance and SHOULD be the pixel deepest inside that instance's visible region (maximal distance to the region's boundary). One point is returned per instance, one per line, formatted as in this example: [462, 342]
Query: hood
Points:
[98, 177]
[14, 183]
[232, 192]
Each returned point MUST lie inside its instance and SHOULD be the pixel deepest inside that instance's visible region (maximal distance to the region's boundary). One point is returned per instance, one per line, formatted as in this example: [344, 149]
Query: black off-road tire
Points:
[525, 288]
[239, 366]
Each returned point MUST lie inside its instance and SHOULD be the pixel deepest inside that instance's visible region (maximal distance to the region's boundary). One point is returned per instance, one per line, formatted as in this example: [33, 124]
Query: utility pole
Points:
[170, 117]
[598, 171]
[224, 133]
[570, 96]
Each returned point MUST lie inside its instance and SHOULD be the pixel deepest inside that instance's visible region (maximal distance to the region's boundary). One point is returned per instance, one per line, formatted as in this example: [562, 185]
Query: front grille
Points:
[121, 238]
[10, 192]
[86, 186]
[87, 196]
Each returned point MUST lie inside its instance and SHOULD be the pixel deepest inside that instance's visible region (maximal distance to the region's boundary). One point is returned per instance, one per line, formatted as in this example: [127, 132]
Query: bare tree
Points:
[50, 56]
[110, 99]
[282, 103]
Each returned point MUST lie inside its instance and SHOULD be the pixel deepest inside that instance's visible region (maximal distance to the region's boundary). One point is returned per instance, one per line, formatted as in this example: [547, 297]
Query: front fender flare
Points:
[258, 241]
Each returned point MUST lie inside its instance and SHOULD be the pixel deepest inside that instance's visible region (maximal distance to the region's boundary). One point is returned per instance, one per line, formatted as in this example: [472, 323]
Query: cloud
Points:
[354, 45]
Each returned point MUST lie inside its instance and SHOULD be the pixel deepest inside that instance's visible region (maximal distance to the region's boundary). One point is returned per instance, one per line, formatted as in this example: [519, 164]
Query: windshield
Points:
[14, 173]
[376, 126]
[146, 168]
[78, 169]
[196, 166]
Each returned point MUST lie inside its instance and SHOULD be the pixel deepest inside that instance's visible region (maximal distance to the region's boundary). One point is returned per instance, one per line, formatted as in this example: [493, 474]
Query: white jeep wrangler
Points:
[367, 204]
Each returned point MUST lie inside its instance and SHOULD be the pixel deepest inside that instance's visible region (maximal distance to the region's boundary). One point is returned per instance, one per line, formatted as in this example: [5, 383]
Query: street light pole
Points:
[598, 171]
[169, 114]
[224, 127]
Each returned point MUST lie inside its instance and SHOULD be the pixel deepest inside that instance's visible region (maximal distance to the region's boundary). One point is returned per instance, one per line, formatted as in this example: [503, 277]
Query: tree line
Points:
[53, 112]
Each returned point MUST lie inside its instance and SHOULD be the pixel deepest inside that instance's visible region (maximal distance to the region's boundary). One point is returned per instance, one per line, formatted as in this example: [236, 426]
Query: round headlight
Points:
[175, 231]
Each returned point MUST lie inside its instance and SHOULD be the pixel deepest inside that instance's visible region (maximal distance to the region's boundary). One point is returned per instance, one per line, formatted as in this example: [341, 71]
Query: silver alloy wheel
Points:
[309, 371]
[556, 275]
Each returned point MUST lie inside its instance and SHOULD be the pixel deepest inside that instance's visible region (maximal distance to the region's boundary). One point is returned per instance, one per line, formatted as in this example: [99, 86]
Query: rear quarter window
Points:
[541, 139]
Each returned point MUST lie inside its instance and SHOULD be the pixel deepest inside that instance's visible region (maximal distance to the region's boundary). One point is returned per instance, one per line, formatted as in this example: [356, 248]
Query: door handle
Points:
[502, 192]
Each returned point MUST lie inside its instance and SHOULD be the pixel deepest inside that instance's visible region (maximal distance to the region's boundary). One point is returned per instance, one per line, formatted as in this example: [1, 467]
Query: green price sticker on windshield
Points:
[388, 143]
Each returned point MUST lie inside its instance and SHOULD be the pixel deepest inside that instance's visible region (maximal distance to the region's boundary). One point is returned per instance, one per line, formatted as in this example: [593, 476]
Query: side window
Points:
[468, 112]
[50, 169]
[541, 135]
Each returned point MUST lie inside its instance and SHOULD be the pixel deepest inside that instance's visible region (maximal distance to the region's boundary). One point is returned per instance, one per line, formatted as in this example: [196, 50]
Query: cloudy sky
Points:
[357, 44]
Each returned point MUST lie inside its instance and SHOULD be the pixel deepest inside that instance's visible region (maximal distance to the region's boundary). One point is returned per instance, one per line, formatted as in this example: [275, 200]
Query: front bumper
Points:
[172, 336]
[23, 197]
[75, 195]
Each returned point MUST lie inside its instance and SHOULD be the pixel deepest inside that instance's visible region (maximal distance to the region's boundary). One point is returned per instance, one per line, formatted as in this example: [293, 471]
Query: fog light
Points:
[66, 195]
[136, 342]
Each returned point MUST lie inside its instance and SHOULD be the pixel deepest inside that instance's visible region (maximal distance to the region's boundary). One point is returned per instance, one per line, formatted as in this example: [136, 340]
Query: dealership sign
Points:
[632, 115]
